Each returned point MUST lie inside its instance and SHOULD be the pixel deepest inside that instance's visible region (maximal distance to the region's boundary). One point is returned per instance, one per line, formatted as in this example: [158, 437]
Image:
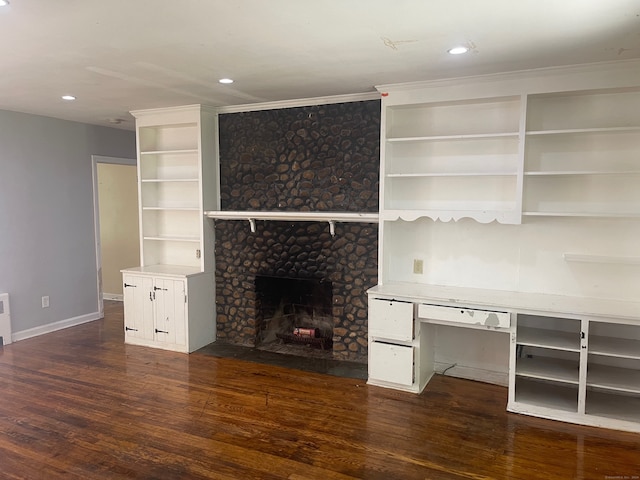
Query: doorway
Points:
[115, 193]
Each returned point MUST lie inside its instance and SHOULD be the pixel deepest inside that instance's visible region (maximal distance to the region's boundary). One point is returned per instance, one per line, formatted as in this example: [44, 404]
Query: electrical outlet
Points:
[417, 266]
[45, 301]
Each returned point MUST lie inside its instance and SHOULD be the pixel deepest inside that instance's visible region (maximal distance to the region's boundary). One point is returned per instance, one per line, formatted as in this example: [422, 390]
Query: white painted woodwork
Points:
[518, 194]
[167, 310]
[178, 181]
[172, 303]
[330, 217]
[390, 363]
[468, 316]
[295, 216]
[5, 319]
[603, 380]
[390, 319]
[394, 319]
[138, 307]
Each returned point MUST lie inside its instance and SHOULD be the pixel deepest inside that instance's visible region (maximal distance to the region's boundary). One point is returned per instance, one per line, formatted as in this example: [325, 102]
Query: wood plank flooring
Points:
[79, 404]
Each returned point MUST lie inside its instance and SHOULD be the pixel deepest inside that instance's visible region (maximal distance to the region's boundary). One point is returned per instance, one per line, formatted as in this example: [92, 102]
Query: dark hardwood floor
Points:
[79, 404]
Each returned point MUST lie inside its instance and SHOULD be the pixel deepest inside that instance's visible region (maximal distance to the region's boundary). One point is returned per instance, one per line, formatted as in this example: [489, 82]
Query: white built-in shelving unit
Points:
[582, 154]
[510, 204]
[178, 182]
[578, 370]
[168, 299]
[447, 160]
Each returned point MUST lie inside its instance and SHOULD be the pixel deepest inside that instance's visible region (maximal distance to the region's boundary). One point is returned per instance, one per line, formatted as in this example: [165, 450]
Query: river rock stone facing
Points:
[319, 158]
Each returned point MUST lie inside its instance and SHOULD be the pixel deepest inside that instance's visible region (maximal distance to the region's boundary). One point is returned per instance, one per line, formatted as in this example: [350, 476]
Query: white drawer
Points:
[391, 319]
[391, 363]
[467, 316]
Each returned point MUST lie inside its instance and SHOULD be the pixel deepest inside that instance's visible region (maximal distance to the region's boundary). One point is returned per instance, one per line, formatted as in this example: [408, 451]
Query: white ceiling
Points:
[122, 55]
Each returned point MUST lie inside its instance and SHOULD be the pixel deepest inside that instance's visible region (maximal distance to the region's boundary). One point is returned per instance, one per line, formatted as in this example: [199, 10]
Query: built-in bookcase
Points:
[178, 182]
[523, 188]
[449, 160]
[583, 154]
[169, 298]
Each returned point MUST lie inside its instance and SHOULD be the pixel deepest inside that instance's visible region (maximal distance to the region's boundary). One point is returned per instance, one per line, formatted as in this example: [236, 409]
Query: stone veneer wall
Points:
[316, 158]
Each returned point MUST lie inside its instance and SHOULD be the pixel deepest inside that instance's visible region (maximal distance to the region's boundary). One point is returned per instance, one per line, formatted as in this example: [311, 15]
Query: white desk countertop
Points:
[519, 302]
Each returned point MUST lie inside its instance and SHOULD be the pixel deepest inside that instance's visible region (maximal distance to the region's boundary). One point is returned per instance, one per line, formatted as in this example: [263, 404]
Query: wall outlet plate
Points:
[45, 301]
[418, 265]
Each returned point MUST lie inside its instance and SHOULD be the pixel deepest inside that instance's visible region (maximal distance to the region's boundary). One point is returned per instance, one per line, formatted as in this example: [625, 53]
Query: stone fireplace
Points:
[309, 159]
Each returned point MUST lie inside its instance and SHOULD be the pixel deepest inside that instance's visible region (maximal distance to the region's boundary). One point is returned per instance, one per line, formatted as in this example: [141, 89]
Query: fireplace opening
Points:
[293, 315]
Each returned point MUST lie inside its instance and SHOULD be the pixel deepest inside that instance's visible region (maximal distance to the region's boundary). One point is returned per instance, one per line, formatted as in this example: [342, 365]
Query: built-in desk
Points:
[569, 358]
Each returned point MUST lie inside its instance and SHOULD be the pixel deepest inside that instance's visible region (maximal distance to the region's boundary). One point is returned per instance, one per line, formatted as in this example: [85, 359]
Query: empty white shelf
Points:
[613, 378]
[546, 368]
[553, 339]
[614, 347]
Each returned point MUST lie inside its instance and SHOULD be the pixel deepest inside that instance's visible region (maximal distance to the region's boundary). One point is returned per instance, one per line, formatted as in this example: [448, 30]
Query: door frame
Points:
[95, 159]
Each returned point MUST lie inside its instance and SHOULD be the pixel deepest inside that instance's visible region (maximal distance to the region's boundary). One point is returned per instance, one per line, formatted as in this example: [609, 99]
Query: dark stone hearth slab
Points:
[337, 368]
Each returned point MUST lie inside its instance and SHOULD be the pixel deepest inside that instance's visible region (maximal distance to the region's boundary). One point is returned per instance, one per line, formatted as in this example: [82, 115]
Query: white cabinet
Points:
[391, 343]
[584, 371]
[405, 334]
[547, 362]
[169, 299]
[159, 311]
[156, 309]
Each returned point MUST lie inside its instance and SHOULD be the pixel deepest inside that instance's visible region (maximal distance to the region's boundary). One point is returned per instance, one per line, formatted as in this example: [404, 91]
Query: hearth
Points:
[295, 312]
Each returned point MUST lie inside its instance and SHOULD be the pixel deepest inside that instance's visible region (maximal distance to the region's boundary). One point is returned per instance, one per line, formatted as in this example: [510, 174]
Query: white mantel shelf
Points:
[330, 217]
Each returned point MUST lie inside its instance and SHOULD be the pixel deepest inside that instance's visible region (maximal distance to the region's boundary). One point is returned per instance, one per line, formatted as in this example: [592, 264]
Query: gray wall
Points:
[47, 239]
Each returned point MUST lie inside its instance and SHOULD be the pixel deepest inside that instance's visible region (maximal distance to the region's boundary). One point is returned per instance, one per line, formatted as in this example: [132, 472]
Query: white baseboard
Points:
[113, 296]
[55, 326]
[473, 373]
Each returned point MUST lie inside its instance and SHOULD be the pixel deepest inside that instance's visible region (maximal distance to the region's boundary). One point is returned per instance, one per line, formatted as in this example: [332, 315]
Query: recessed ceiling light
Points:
[68, 97]
[225, 80]
[458, 50]
[4, 3]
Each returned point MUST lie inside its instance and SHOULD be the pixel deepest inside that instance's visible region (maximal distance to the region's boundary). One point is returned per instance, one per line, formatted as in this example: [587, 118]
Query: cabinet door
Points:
[391, 363]
[170, 311]
[391, 319]
[138, 306]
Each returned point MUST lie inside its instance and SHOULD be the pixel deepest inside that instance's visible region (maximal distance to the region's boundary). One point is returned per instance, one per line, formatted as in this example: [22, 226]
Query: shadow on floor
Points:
[338, 368]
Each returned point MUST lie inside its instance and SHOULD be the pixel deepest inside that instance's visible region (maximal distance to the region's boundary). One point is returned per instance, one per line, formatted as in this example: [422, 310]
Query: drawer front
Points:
[467, 316]
[391, 363]
[391, 319]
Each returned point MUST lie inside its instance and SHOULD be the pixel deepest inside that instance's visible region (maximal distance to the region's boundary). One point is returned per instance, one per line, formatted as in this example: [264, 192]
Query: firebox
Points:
[294, 311]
